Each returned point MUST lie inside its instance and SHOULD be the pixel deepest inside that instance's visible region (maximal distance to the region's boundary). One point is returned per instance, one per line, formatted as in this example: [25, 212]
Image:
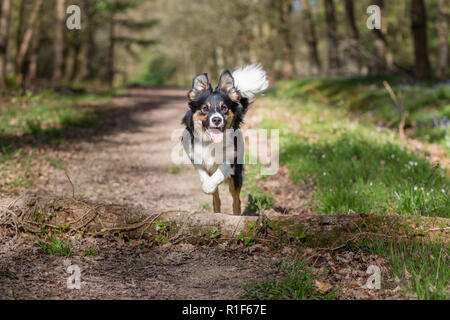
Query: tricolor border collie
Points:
[213, 123]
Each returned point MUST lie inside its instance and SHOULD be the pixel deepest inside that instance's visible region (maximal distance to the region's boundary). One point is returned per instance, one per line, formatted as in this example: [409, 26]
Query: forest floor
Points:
[125, 160]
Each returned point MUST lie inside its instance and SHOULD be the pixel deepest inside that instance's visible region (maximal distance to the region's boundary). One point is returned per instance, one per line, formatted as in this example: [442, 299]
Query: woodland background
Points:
[167, 42]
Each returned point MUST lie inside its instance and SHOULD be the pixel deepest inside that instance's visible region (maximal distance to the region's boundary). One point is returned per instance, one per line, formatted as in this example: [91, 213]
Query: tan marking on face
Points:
[208, 104]
[198, 119]
[229, 119]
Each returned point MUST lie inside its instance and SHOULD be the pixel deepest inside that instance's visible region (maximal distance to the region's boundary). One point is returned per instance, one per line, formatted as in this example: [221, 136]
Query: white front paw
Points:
[209, 186]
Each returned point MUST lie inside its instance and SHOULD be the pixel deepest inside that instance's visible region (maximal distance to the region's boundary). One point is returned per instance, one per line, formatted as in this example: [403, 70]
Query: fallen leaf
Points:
[322, 286]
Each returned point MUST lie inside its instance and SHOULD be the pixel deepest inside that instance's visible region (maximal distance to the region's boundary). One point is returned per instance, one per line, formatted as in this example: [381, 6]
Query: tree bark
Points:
[18, 25]
[284, 7]
[30, 81]
[333, 52]
[27, 37]
[442, 30]
[355, 58]
[111, 53]
[86, 40]
[4, 31]
[311, 38]
[419, 30]
[381, 65]
[58, 42]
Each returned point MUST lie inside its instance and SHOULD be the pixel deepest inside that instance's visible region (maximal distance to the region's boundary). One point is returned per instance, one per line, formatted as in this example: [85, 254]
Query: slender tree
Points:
[4, 31]
[419, 30]
[87, 39]
[27, 37]
[311, 38]
[285, 7]
[332, 35]
[30, 80]
[18, 26]
[355, 58]
[58, 42]
[442, 30]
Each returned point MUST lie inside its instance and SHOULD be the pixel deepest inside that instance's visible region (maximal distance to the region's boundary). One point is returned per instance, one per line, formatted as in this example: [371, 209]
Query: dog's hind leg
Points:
[235, 193]
[216, 201]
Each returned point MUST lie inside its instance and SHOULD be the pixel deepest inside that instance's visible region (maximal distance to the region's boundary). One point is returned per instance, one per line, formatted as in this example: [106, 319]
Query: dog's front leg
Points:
[202, 174]
[212, 182]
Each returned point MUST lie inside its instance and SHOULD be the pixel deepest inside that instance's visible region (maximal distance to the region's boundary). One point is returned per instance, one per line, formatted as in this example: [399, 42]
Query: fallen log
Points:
[46, 214]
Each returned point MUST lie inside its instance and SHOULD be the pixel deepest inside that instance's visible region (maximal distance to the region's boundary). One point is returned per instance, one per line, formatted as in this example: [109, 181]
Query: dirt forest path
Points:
[132, 164]
[128, 163]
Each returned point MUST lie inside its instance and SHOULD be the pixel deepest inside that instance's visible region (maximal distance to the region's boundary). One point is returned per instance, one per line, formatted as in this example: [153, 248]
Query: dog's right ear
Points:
[199, 85]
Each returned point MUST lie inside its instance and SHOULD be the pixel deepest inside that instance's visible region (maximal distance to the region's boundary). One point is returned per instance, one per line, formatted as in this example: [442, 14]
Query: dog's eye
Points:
[224, 109]
[205, 109]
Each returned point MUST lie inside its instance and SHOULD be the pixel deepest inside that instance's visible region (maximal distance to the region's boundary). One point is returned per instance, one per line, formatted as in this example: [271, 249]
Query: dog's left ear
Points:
[226, 83]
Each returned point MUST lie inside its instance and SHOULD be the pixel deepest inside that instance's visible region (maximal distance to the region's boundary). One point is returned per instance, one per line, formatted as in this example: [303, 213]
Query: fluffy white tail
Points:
[250, 80]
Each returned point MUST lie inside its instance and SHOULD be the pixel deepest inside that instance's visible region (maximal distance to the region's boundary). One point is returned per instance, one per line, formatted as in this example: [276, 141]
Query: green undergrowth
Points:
[30, 120]
[427, 104]
[422, 268]
[45, 117]
[352, 164]
[295, 283]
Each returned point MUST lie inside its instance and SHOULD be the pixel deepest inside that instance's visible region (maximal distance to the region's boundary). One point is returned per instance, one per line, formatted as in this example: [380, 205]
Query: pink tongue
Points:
[216, 135]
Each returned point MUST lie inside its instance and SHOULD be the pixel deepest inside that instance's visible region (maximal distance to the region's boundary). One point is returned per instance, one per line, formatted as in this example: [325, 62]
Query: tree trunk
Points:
[311, 38]
[284, 7]
[30, 81]
[419, 30]
[58, 42]
[333, 53]
[27, 37]
[111, 53]
[355, 58]
[442, 30]
[86, 38]
[18, 25]
[4, 31]
[70, 64]
[381, 65]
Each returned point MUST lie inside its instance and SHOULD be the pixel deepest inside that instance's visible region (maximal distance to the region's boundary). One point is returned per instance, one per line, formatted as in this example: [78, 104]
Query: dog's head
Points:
[213, 111]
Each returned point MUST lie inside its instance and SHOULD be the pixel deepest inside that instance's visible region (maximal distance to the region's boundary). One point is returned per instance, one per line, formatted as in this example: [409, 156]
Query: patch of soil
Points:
[129, 270]
[290, 198]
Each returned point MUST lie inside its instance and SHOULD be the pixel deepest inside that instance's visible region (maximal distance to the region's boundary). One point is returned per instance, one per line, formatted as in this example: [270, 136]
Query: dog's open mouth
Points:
[216, 134]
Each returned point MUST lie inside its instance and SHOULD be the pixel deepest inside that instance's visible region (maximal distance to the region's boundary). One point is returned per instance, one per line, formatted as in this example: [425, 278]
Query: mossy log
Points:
[47, 214]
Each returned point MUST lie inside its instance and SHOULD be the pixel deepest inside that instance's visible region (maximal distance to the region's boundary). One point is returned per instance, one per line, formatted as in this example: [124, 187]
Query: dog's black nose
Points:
[217, 121]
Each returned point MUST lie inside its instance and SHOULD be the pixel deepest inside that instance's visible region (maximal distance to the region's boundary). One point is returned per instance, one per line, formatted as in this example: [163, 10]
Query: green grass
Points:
[47, 116]
[422, 267]
[90, 252]
[55, 246]
[174, 170]
[205, 206]
[354, 166]
[296, 283]
[369, 96]
[58, 163]
[15, 167]
[256, 202]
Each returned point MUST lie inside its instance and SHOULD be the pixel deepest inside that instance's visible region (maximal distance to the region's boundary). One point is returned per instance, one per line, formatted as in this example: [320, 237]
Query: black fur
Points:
[239, 109]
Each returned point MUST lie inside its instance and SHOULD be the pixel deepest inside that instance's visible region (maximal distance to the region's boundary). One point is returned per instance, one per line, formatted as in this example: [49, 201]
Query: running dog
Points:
[213, 124]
